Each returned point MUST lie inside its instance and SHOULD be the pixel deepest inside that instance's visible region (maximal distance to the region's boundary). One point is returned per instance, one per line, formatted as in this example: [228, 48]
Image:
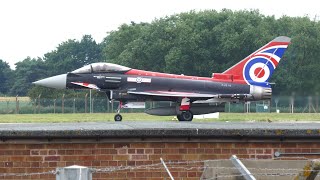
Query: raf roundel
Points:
[258, 70]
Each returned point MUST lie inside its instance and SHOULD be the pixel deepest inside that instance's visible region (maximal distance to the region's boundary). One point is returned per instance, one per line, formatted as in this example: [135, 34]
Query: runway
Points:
[156, 125]
[159, 129]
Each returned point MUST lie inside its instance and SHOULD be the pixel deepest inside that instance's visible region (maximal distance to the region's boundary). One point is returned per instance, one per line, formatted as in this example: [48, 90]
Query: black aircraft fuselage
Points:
[117, 84]
[248, 80]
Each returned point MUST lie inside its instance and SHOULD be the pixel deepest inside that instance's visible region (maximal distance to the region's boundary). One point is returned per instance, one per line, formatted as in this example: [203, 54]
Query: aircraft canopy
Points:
[101, 68]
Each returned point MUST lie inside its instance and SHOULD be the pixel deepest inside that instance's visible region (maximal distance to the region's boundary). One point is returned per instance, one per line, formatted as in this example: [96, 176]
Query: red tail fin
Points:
[258, 67]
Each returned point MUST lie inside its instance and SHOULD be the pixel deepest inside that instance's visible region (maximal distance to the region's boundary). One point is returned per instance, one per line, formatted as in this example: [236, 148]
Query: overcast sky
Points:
[35, 27]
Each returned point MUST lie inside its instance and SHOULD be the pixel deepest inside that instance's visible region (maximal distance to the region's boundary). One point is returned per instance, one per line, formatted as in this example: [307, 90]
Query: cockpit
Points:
[101, 68]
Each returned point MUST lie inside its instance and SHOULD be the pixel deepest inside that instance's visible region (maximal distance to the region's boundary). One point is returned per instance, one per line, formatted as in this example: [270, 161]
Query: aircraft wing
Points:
[194, 95]
[173, 94]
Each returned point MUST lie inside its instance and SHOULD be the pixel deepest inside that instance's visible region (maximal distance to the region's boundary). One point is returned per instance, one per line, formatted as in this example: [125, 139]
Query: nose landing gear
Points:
[118, 116]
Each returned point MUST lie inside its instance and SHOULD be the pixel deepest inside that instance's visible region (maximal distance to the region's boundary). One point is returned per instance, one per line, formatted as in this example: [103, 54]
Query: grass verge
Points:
[108, 117]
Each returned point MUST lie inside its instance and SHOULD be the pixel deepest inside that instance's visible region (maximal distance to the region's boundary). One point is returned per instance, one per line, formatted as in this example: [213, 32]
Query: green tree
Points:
[27, 71]
[116, 42]
[68, 56]
[199, 43]
[195, 43]
[73, 54]
[6, 77]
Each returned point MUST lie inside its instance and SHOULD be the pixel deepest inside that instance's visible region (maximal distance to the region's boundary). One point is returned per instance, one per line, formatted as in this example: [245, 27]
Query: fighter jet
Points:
[192, 95]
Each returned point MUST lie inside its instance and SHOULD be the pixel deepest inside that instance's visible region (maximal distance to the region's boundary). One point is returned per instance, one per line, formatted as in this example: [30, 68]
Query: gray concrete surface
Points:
[160, 129]
[260, 169]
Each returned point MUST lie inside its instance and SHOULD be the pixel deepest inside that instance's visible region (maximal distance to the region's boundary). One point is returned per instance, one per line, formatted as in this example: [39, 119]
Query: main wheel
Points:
[186, 116]
[117, 117]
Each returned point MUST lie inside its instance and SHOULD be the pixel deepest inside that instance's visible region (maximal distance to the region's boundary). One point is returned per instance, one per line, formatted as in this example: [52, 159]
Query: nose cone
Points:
[57, 82]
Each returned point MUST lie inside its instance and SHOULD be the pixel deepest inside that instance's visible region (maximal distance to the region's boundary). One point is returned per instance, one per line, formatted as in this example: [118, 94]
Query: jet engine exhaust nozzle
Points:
[260, 93]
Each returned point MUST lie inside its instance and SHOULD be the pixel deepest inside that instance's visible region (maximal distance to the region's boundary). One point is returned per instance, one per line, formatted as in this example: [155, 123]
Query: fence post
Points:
[317, 101]
[74, 172]
[309, 106]
[74, 105]
[276, 100]
[86, 103]
[108, 106]
[92, 105]
[39, 103]
[90, 100]
[62, 104]
[246, 107]
[54, 106]
[309, 103]
[17, 105]
[8, 105]
[35, 106]
[292, 103]
[112, 106]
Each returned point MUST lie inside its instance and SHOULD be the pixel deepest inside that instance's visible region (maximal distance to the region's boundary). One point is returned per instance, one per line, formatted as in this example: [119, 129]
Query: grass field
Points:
[105, 117]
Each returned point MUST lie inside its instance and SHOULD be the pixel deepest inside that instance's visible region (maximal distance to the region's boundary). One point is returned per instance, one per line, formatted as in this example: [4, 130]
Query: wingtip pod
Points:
[258, 67]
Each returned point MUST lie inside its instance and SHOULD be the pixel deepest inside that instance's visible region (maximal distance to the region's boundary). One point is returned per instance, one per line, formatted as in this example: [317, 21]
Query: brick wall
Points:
[32, 158]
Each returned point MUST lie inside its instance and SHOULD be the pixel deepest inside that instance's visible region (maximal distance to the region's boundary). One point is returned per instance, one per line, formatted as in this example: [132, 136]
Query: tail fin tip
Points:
[282, 39]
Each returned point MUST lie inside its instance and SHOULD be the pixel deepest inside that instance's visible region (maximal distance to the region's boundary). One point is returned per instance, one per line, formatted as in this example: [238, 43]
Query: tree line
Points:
[191, 43]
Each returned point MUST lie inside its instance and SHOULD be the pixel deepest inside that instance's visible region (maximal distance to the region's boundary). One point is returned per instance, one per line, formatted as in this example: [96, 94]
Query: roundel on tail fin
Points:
[259, 68]
[257, 71]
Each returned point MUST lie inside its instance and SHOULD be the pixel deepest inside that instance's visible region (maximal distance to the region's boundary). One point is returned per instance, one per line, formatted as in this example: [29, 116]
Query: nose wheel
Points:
[117, 117]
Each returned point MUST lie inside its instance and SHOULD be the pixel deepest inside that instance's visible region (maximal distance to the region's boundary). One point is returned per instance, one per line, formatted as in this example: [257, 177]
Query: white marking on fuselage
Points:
[113, 77]
[139, 80]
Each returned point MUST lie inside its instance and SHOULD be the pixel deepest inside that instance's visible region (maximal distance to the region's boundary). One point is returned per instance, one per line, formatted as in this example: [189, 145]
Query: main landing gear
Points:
[185, 116]
[118, 116]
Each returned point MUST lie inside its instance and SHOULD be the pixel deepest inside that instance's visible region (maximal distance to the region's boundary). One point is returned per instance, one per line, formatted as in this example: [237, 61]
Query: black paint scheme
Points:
[192, 95]
[118, 85]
